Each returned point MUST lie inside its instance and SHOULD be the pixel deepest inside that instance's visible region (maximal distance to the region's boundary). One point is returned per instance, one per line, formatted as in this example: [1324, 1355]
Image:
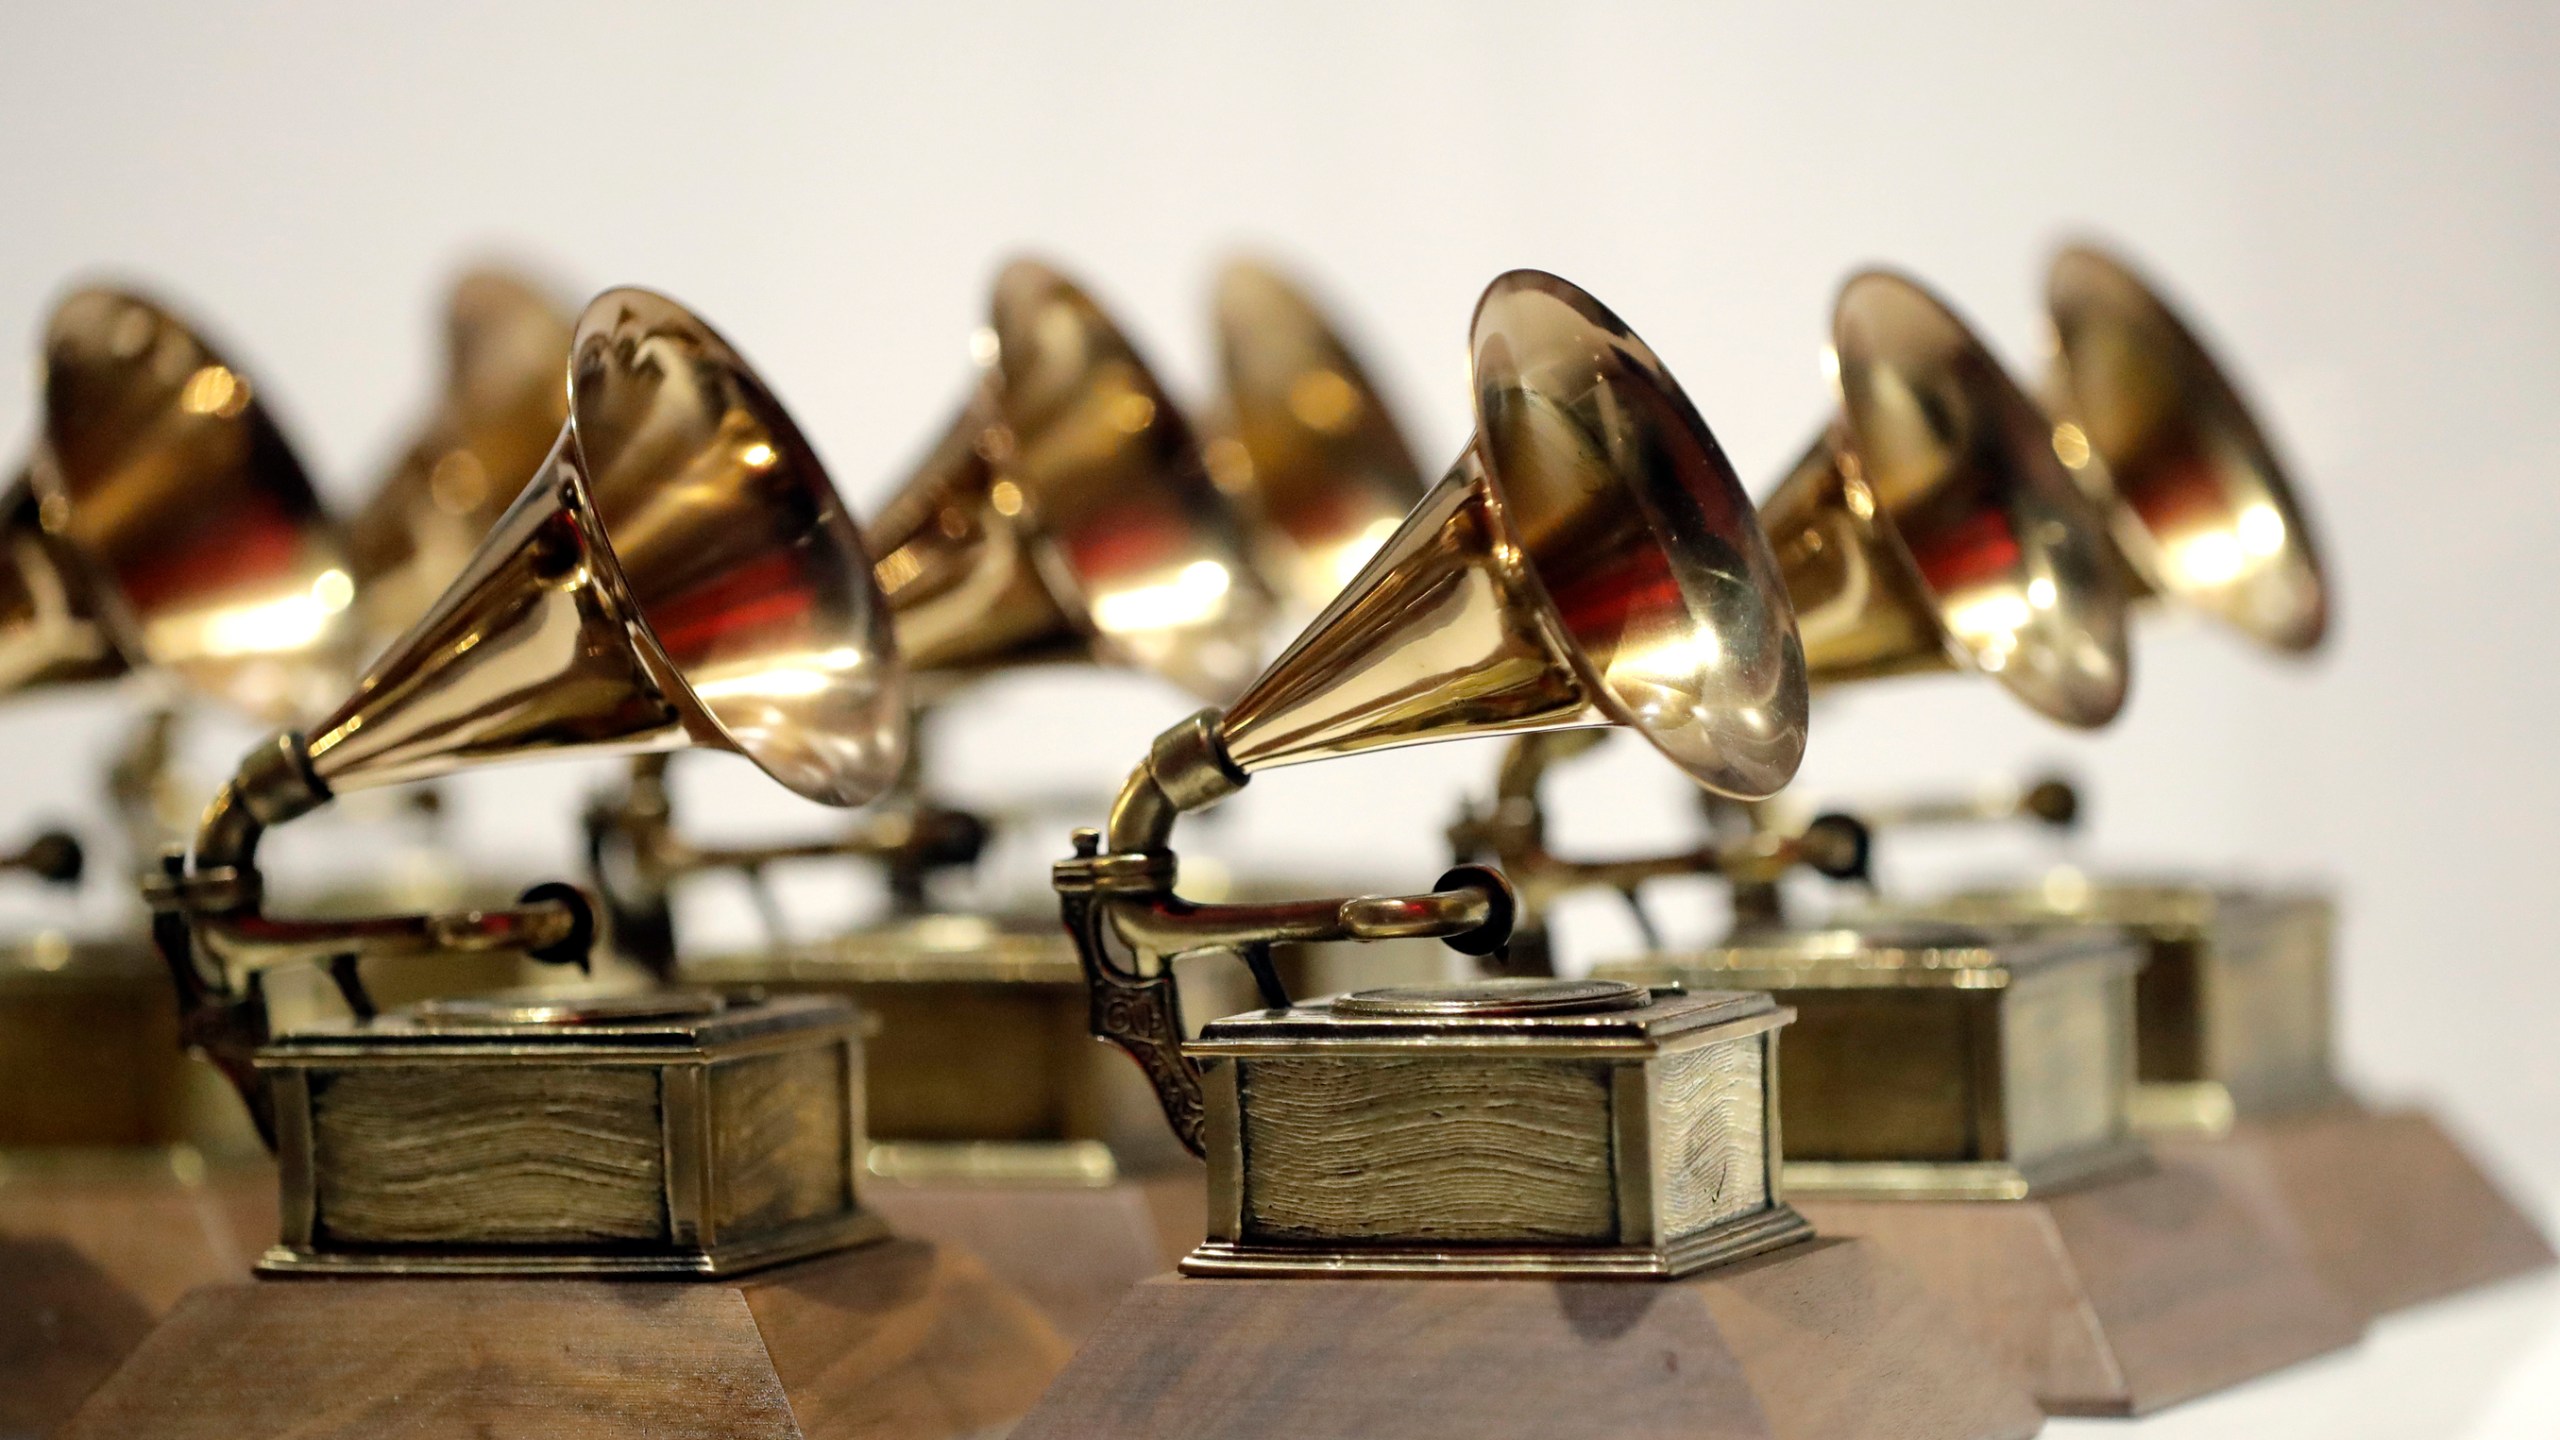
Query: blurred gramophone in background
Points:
[2235, 1006]
[161, 535]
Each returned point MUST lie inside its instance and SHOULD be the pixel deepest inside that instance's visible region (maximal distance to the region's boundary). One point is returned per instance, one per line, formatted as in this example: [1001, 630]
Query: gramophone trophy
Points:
[1427, 1203]
[1064, 516]
[160, 530]
[1961, 1096]
[2234, 1006]
[678, 573]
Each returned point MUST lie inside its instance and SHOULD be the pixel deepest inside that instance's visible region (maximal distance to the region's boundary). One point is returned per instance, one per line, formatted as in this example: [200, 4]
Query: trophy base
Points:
[96, 1246]
[1773, 1229]
[2126, 1295]
[2393, 1211]
[1071, 1250]
[1822, 1339]
[900, 1339]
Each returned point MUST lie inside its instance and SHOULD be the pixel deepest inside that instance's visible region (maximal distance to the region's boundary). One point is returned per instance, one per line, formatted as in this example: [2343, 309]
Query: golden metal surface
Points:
[506, 347]
[1066, 514]
[180, 532]
[1589, 560]
[1302, 440]
[1085, 1164]
[1522, 1127]
[679, 571]
[1936, 1061]
[1932, 525]
[2195, 498]
[603, 1138]
[2233, 1008]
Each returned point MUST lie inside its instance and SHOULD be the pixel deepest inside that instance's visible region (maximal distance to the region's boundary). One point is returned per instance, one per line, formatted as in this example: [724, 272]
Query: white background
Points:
[2357, 199]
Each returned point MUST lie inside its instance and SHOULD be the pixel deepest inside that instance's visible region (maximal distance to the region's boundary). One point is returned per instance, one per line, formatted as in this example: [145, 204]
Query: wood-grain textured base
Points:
[901, 1339]
[1071, 1250]
[92, 1256]
[1818, 1341]
[2123, 1296]
[2394, 1212]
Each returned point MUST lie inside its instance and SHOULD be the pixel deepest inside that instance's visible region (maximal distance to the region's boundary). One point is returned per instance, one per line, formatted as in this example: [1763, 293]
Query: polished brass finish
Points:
[1301, 439]
[533, 1136]
[1932, 525]
[679, 572]
[2233, 1009]
[506, 346]
[200, 547]
[1589, 560]
[1066, 514]
[2156, 433]
[1381, 1133]
[1938, 1061]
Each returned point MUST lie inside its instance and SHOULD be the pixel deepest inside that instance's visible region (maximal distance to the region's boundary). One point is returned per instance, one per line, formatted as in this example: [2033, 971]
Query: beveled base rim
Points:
[1756, 1234]
[800, 1242]
[1966, 1180]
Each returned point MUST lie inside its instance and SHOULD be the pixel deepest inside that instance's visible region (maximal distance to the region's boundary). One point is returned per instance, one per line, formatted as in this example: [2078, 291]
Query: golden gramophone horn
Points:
[1301, 439]
[2156, 433]
[1931, 525]
[679, 572]
[162, 476]
[1589, 560]
[1066, 514]
[506, 344]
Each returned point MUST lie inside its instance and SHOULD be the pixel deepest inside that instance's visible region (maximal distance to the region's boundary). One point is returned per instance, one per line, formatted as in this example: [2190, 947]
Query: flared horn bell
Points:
[1932, 525]
[679, 572]
[503, 402]
[163, 475]
[1301, 439]
[1590, 560]
[2158, 435]
[1067, 515]
[54, 627]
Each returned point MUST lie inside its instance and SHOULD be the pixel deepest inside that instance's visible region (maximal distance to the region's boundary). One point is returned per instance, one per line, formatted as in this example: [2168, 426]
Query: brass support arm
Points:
[212, 931]
[637, 856]
[1512, 834]
[2050, 800]
[1129, 926]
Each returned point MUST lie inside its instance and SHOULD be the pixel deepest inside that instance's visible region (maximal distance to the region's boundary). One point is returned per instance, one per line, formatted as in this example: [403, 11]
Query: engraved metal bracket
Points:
[1117, 897]
[212, 931]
